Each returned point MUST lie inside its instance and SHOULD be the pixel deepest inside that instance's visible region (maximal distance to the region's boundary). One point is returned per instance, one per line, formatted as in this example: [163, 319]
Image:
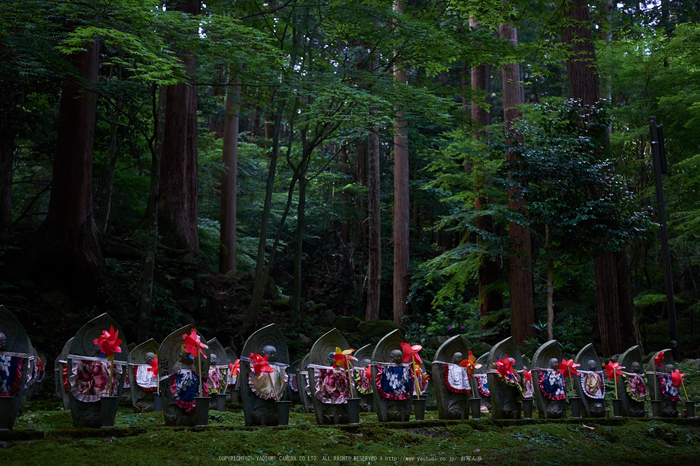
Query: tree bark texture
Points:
[522, 305]
[229, 182]
[614, 299]
[374, 266]
[177, 208]
[489, 271]
[401, 199]
[149, 265]
[70, 248]
[10, 94]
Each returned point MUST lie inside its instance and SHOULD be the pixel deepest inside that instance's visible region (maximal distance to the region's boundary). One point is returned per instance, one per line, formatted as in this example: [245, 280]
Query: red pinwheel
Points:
[677, 378]
[410, 353]
[342, 357]
[568, 368]
[235, 367]
[659, 359]
[109, 342]
[153, 366]
[260, 364]
[41, 364]
[368, 372]
[505, 366]
[613, 369]
[470, 364]
[527, 376]
[193, 345]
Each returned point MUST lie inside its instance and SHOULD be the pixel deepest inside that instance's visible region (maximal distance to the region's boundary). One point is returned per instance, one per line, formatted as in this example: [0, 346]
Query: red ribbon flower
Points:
[470, 364]
[41, 364]
[677, 378]
[568, 368]
[342, 357]
[613, 370]
[109, 342]
[153, 366]
[505, 366]
[260, 364]
[410, 353]
[234, 368]
[527, 376]
[193, 344]
[368, 372]
[659, 359]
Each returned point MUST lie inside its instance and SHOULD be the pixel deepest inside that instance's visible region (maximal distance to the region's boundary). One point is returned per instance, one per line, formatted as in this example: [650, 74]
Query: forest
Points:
[453, 166]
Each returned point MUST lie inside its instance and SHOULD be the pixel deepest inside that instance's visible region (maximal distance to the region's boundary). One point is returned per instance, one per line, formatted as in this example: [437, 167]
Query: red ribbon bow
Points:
[109, 342]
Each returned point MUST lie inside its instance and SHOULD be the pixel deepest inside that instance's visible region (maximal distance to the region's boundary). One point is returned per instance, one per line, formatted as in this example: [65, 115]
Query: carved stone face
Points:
[366, 362]
[554, 363]
[213, 358]
[271, 352]
[636, 367]
[150, 356]
[669, 368]
[591, 365]
[396, 356]
[457, 357]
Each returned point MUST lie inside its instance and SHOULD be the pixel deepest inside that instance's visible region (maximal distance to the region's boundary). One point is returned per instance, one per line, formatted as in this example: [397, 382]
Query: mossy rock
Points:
[347, 323]
[375, 329]
[317, 309]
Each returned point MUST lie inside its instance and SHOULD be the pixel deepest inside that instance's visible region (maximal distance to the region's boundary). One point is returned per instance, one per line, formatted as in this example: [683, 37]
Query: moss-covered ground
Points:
[143, 439]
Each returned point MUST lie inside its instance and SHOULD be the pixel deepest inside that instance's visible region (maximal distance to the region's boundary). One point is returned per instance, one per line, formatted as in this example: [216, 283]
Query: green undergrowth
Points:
[143, 439]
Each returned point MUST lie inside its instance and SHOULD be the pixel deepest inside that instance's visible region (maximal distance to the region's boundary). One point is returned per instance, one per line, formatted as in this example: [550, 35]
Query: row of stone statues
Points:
[185, 376]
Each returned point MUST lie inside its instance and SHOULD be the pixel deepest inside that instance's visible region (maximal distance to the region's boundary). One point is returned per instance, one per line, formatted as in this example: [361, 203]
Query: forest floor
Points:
[143, 439]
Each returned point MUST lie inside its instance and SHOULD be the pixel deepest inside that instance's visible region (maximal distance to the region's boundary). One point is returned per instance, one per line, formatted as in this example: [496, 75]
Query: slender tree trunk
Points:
[522, 305]
[614, 301]
[362, 179]
[112, 153]
[70, 251]
[229, 182]
[177, 208]
[374, 266]
[489, 271]
[149, 266]
[550, 298]
[295, 299]
[7, 148]
[401, 197]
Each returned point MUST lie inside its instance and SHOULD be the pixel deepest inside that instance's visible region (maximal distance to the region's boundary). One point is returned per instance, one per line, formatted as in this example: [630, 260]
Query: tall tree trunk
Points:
[70, 251]
[489, 271]
[614, 301]
[177, 206]
[374, 265]
[229, 182]
[149, 265]
[401, 197]
[522, 305]
[295, 299]
[112, 153]
[7, 148]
